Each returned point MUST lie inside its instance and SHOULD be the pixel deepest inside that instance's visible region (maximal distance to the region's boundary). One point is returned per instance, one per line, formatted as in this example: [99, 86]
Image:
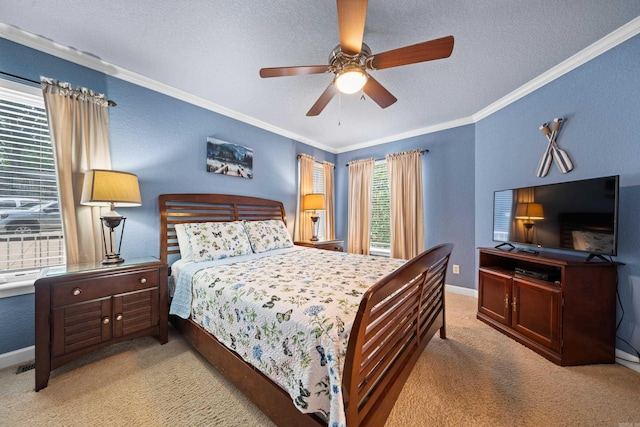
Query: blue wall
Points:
[600, 102]
[448, 184]
[163, 141]
[17, 322]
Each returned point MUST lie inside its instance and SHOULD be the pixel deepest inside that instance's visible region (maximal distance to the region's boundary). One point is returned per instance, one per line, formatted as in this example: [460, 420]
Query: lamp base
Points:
[111, 222]
[112, 259]
[314, 220]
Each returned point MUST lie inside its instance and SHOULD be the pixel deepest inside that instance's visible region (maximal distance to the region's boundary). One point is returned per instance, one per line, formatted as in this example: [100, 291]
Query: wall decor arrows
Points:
[553, 152]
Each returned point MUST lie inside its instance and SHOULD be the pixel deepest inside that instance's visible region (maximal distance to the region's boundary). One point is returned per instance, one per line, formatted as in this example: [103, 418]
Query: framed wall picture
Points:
[229, 159]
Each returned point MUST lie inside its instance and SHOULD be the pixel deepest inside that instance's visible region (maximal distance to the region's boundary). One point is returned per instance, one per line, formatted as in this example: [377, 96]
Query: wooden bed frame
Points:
[396, 319]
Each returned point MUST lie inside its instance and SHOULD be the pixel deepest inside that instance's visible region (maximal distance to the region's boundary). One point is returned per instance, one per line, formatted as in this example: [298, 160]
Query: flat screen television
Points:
[579, 216]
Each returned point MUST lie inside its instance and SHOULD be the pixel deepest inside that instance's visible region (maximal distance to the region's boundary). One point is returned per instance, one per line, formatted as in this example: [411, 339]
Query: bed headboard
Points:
[182, 208]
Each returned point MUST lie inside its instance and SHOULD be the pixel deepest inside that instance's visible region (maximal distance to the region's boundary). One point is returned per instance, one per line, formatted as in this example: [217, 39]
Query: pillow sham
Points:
[216, 240]
[183, 242]
[268, 235]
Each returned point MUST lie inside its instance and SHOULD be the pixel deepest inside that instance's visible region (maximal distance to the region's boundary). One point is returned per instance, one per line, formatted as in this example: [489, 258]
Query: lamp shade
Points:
[110, 188]
[313, 202]
[529, 211]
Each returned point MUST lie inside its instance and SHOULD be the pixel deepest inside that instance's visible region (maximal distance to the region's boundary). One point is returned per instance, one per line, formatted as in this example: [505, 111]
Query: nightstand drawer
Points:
[84, 290]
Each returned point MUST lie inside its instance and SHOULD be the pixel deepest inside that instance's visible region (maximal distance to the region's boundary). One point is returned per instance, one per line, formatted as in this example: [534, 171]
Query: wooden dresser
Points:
[562, 307]
[329, 245]
[81, 308]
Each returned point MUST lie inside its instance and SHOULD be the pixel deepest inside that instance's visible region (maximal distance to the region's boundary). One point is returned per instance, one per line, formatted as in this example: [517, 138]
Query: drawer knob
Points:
[119, 316]
[106, 320]
[143, 280]
[77, 291]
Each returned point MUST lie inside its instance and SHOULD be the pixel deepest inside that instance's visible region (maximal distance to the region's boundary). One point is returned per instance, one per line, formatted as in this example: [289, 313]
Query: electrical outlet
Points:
[456, 269]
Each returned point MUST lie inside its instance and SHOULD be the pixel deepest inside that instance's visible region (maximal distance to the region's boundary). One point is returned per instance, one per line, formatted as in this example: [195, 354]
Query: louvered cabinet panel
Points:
[135, 311]
[79, 326]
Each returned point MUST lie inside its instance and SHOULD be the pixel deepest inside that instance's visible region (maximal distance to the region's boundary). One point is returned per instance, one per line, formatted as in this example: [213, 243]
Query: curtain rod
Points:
[317, 161]
[423, 151]
[37, 83]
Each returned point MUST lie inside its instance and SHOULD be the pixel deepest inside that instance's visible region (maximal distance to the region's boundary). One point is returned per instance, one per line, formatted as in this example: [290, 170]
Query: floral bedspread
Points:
[290, 316]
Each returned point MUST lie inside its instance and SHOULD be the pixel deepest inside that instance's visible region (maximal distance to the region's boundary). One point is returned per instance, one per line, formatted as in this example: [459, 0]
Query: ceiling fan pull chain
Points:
[339, 108]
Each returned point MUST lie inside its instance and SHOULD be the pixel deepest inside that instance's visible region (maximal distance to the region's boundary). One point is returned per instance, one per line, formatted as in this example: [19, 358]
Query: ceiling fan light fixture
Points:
[351, 80]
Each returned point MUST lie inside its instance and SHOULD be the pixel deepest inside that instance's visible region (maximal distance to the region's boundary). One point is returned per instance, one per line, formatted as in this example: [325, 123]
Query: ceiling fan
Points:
[352, 58]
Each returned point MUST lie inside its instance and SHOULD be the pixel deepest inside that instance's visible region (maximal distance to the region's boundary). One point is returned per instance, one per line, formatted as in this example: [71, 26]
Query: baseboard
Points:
[460, 290]
[628, 360]
[27, 354]
[622, 358]
[17, 357]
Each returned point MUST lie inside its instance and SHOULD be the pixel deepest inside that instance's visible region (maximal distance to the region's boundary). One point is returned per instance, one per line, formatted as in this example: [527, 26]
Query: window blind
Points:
[30, 225]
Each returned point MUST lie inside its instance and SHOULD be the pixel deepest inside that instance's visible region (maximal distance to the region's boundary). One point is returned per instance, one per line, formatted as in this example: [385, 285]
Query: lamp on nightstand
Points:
[529, 212]
[313, 202]
[110, 188]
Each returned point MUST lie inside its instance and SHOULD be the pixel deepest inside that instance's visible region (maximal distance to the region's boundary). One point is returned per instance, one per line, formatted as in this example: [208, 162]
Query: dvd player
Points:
[549, 276]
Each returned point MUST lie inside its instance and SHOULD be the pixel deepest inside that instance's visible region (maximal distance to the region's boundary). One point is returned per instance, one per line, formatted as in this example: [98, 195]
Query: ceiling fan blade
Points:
[421, 52]
[378, 93]
[322, 102]
[293, 71]
[351, 18]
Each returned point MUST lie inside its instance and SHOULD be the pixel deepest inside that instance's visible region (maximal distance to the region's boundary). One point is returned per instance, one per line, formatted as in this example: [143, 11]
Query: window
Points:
[30, 225]
[502, 216]
[318, 187]
[380, 211]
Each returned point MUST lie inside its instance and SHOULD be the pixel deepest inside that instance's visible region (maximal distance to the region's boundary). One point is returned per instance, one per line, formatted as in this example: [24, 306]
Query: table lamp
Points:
[110, 188]
[529, 212]
[313, 202]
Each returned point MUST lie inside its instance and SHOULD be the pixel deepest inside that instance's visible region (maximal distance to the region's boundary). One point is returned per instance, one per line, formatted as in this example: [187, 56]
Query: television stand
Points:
[570, 318]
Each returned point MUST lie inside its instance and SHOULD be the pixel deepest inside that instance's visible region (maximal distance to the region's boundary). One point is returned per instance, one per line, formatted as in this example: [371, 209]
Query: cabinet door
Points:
[536, 312]
[135, 311]
[77, 326]
[494, 296]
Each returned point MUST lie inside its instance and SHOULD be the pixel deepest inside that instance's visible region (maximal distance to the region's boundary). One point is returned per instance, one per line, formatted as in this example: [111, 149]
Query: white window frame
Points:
[20, 282]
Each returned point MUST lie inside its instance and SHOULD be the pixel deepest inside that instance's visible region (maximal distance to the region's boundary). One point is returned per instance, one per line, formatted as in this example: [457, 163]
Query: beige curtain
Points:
[304, 227]
[79, 128]
[329, 200]
[407, 213]
[360, 189]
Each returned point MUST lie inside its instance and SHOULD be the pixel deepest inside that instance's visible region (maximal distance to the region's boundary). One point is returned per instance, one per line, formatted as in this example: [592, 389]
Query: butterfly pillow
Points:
[216, 240]
[268, 235]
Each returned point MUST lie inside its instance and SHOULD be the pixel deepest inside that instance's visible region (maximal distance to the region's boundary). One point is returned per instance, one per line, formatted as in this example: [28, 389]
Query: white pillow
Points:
[216, 240]
[183, 241]
[268, 235]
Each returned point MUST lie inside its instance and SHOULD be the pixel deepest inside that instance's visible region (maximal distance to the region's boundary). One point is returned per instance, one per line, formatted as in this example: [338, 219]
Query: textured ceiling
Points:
[213, 49]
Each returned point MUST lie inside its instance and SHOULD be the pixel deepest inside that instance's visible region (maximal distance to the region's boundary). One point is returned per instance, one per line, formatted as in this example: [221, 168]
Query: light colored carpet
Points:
[476, 377]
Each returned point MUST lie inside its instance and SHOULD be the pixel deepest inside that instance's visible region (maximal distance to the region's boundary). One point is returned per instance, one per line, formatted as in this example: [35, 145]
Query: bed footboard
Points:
[397, 318]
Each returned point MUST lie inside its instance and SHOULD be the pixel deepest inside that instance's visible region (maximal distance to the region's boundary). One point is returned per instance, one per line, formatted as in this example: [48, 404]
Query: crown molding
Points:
[596, 49]
[410, 134]
[608, 42]
[90, 61]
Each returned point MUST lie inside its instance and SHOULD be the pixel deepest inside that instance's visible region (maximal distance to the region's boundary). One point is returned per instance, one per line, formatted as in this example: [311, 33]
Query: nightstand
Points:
[81, 308]
[329, 245]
